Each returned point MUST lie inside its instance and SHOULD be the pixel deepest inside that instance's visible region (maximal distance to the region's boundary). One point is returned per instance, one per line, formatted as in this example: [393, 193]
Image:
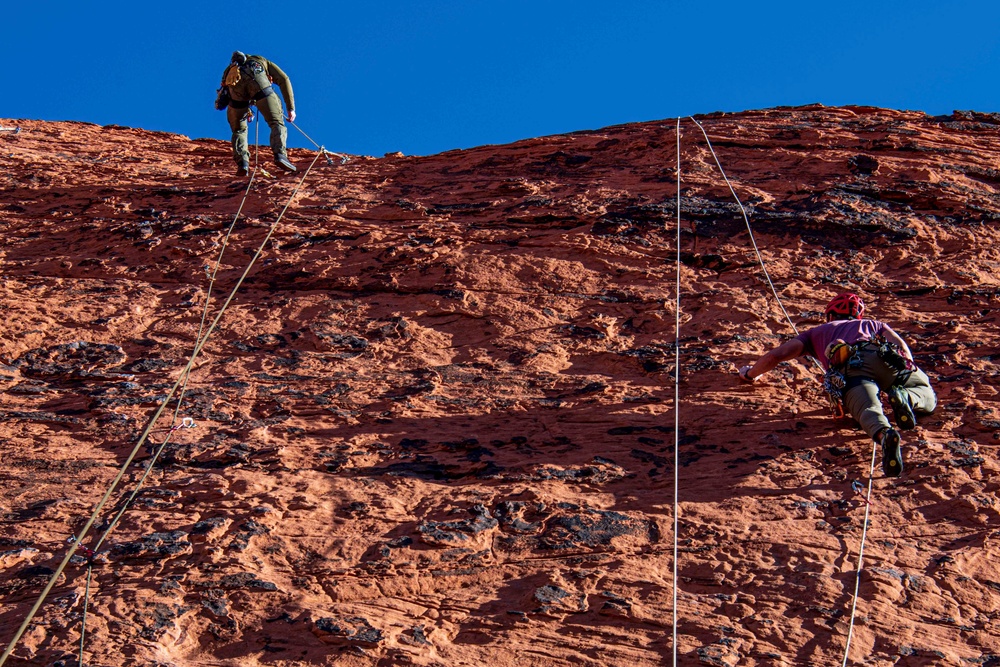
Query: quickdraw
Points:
[859, 490]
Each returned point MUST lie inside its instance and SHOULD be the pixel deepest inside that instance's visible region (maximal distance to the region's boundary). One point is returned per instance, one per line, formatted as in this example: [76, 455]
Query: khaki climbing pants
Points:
[863, 402]
[270, 109]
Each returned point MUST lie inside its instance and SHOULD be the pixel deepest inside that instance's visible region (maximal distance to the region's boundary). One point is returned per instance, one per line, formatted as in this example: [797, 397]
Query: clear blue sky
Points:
[428, 76]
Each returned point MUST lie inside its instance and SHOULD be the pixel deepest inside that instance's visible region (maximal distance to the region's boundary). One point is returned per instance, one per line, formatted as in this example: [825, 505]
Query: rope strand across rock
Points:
[77, 540]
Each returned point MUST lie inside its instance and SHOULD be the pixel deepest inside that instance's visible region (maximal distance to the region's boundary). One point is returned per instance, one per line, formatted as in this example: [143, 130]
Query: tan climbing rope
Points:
[77, 540]
[321, 149]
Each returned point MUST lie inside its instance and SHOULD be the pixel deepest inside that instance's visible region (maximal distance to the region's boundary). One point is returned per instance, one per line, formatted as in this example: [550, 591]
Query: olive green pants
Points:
[864, 403]
[270, 109]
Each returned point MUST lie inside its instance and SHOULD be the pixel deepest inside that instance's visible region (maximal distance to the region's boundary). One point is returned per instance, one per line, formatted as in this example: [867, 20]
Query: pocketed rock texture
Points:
[436, 423]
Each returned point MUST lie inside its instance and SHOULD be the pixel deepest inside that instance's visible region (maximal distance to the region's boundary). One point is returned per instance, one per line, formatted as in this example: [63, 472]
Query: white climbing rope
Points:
[746, 219]
[677, 384]
[861, 557]
[871, 471]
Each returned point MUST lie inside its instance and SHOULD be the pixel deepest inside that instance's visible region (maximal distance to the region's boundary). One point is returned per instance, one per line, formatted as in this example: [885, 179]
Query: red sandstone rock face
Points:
[436, 424]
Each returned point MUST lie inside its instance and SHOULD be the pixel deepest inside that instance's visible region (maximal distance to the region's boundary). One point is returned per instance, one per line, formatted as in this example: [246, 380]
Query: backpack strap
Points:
[255, 69]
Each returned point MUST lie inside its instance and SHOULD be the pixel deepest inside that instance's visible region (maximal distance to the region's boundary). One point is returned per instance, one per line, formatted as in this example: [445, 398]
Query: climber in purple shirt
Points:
[862, 357]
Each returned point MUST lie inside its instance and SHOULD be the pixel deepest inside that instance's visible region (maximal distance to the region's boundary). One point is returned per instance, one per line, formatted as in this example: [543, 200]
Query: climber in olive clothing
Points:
[248, 81]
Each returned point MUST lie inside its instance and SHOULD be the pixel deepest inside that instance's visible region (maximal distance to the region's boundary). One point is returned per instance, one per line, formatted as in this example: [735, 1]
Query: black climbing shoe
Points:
[283, 162]
[242, 169]
[892, 458]
[901, 408]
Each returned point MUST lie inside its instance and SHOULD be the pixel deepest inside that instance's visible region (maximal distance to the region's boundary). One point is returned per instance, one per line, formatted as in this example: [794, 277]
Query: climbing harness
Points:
[844, 357]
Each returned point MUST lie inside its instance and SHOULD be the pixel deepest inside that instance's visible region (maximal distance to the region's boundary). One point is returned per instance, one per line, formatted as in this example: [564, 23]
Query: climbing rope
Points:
[753, 241]
[86, 599]
[871, 471]
[677, 385]
[186, 422]
[77, 540]
[180, 399]
[861, 556]
[343, 158]
[185, 374]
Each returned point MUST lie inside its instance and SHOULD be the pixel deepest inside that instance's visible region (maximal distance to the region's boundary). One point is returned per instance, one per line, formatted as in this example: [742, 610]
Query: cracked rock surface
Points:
[436, 425]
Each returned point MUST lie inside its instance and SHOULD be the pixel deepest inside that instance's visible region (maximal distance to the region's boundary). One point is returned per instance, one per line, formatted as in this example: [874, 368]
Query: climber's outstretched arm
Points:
[788, 350]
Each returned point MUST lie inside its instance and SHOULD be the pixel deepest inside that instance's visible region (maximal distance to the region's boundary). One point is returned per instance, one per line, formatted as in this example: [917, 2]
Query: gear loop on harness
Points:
[841, 357]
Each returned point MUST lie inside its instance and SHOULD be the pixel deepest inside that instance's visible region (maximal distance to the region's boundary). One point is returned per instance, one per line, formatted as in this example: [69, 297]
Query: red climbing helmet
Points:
[846, 304]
